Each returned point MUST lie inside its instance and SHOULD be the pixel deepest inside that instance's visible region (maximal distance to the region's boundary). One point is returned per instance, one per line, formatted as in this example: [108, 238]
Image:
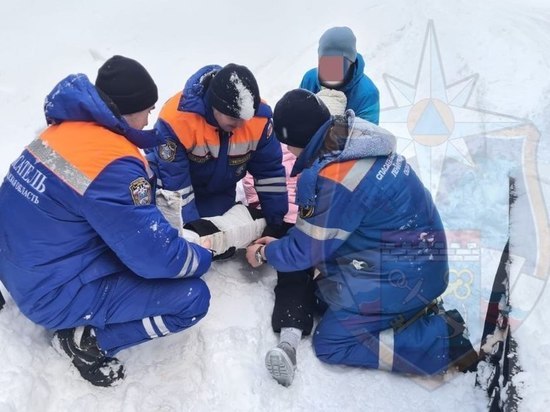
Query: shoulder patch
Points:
[269, 130]
[306, 212]
[167, 151]
[241, 170]
[141, 192]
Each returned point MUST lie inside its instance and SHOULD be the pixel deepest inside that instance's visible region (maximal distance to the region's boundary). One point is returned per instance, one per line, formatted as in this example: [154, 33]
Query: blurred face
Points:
[333, 70]
[227, 123]
[140, 119]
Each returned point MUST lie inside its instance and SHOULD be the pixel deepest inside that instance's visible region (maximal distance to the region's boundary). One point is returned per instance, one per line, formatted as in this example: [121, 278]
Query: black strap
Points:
[400, 323]
[202, 227]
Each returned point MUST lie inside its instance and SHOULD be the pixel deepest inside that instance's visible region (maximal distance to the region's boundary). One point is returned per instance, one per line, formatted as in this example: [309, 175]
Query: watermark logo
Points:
[465, 156]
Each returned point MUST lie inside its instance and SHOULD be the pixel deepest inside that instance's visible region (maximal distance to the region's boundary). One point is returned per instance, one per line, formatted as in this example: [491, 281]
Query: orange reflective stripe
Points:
[250, 131]
[200, 138]
[88, 147]
[337, 171]
[169, 113]
[349, 174]
[191, 129]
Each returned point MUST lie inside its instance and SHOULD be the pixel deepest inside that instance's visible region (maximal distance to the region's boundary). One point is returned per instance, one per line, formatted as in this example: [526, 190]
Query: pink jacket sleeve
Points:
[288, 163]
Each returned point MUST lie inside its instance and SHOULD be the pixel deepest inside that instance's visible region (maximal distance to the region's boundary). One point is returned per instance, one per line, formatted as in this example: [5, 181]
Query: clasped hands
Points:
[255, 252]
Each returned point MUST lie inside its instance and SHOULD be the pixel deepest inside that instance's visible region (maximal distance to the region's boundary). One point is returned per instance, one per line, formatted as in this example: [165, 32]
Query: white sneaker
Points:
[281, 363]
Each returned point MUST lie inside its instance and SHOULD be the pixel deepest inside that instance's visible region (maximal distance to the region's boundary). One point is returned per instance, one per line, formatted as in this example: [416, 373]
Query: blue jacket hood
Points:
[195, 89]
[364, 139]
[372, 140]
[313, 76]
[357, 76]
[76, 99]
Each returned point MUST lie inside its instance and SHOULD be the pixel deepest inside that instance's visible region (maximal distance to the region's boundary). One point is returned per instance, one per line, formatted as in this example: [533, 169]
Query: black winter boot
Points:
[461, 352]
[80, 344]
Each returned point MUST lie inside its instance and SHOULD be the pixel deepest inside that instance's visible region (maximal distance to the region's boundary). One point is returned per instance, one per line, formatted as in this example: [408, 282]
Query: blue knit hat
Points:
[338, 41]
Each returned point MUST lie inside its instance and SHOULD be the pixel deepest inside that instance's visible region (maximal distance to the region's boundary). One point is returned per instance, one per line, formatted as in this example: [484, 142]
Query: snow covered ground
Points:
[464, 85]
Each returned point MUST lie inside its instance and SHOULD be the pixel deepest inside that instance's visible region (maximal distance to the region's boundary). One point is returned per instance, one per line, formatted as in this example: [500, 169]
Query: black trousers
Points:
[294, 301]
[294, 294]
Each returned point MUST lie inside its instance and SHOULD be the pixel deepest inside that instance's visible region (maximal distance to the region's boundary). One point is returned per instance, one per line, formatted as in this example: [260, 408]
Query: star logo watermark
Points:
[455, 149]
[432, 119]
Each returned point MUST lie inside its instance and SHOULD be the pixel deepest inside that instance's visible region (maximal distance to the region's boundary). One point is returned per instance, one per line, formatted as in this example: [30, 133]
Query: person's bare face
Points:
[227, 123]
[140, 119]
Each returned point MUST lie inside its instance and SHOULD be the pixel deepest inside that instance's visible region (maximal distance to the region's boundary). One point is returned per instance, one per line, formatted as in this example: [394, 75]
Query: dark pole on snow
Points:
[498, 355]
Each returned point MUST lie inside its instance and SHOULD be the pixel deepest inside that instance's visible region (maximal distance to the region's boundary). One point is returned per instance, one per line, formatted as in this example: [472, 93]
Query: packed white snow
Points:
[464, 86]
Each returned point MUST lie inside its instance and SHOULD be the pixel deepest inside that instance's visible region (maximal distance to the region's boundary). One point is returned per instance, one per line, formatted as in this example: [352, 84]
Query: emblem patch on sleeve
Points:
[269, 130]
[167, 151]
[141, 192]
[306, 212]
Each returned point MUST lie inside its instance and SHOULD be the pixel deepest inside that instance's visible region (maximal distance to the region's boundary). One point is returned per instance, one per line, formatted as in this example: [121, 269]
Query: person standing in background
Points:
[341, 68]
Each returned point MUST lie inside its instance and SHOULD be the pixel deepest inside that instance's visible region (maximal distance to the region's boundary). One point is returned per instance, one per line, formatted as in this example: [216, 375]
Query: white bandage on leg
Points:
[170, 204]
[191, 236]
[237, 229]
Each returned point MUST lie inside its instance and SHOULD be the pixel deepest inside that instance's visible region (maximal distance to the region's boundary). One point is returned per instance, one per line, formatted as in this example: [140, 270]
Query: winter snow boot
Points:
[80, 344]
[461, 352]
[281, 363]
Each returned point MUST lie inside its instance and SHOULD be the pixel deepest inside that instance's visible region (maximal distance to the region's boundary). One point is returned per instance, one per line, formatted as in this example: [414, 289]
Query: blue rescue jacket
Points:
[362, 94]
[78, 205]
[205, 163]
[368, 225]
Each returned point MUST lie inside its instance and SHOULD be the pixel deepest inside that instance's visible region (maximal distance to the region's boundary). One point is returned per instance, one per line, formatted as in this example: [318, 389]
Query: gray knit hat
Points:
[338, 41]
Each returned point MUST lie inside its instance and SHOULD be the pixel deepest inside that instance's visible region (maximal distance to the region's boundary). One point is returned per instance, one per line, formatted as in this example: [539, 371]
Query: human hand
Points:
[255, 255]
[206, 243]
[265, 240]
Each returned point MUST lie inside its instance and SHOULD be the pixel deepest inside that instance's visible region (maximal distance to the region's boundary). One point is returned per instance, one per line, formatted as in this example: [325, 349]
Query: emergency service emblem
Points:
[269, 130]
[306, 211]
[240, 170]
[141, 192]
[459, 149]
[167, 151]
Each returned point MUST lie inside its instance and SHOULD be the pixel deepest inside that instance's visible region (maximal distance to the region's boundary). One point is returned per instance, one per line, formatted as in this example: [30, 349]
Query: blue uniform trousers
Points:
[349, 339]
[133, 309]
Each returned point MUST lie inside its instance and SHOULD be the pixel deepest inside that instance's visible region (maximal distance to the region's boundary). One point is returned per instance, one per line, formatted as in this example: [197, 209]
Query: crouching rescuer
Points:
[84, 250]
[217, 129]
[372, 232]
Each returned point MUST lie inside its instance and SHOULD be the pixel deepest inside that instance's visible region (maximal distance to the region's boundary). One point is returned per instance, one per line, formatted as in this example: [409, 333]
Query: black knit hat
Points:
[128, 84]
[234, 92]
[297, 116]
